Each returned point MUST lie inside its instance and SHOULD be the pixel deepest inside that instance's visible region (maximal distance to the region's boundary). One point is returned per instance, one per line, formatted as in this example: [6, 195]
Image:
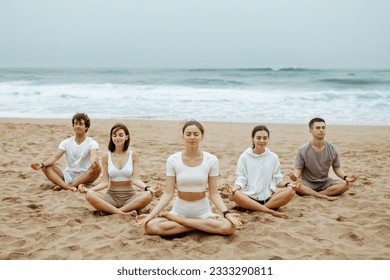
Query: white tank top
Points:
[124, 174]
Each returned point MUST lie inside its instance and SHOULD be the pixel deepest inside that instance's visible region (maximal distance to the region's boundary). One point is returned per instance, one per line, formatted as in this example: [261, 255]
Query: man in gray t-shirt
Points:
[312, 164]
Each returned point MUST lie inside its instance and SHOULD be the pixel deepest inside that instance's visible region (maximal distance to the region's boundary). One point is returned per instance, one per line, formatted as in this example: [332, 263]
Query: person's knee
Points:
[151, 228]
[90, 195]
[228, 228]
[346, 187]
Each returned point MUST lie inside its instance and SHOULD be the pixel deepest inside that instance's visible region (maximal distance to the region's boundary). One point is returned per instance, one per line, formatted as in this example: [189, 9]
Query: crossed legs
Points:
[55, 175]
[169, 224]
[97, 200]
[328, 193]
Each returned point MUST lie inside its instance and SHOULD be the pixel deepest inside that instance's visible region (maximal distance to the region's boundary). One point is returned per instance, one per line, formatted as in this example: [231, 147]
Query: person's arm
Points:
[49, 161]
[94, 158]
[218, 202]
[296, 174]
[105, 179]
[138, 182]
[165, 198]
[340, 173]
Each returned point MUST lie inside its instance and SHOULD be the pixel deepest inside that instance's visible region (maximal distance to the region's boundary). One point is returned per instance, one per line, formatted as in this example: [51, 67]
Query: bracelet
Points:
[147, 188]
[345, 177]
[225, 213]
[286, 185]
[43, 165]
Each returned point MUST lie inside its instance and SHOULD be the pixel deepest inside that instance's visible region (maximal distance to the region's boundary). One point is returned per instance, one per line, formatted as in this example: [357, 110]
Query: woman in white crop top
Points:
[191, 171]
[259, 184]
[120, 173]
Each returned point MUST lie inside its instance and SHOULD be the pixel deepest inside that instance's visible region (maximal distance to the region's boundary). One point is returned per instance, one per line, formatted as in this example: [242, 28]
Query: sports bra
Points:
[124, 174]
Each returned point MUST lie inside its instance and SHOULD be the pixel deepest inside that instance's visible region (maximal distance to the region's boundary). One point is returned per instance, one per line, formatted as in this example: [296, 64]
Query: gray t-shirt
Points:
[315, 165]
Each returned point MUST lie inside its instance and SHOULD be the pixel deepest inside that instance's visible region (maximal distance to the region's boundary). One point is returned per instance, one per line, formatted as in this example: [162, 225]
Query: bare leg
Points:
[97, 200]
[54, 174]
[89, 177]
[164, 227]
[280, 198]
[304, 190]
[211, 225]
[246, 202]
[138, 203]
[336, 189]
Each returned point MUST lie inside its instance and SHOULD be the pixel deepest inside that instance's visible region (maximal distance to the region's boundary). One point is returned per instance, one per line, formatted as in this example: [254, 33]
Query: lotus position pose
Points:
[81, 156]
[312, 164]
[120, 173]
[190, 171]
[259, 183]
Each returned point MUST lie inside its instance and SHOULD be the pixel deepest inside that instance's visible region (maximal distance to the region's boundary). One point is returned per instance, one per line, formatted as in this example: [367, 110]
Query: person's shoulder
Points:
[304, 146]
[66, 141]
[273, 154]
[331, 145]
[209, 157]
[174, 156]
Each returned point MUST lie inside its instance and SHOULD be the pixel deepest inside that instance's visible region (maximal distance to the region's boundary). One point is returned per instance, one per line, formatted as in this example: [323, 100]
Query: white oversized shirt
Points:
[258, 175]
[78, 157]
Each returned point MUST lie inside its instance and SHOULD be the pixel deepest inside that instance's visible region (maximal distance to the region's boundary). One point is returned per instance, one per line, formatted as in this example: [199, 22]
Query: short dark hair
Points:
[311, 123]
[193, 122]
[116, 127]
[259, 128]
[82, 116]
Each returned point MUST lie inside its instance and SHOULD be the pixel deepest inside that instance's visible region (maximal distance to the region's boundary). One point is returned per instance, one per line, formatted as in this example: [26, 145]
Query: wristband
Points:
[345, 177]
[147, 188]
[43, 165]
[225, 213]
[286, 185]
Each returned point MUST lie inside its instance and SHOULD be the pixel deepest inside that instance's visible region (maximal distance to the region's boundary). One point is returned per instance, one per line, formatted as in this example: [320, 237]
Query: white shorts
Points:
[198, 209]
[71, 176]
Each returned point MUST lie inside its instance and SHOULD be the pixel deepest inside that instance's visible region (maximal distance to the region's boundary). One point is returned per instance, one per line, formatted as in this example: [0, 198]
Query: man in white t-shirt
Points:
[82, 159]
[312, 164]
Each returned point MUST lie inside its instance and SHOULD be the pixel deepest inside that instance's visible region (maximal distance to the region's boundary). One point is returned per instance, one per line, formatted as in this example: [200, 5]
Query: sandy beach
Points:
[41, 224]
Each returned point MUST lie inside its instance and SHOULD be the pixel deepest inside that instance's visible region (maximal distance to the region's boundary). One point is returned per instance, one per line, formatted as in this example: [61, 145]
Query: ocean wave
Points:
[354, 82]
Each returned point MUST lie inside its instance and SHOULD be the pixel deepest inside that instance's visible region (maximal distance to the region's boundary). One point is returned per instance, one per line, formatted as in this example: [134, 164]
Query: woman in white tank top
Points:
[191, 172]
[120, 174]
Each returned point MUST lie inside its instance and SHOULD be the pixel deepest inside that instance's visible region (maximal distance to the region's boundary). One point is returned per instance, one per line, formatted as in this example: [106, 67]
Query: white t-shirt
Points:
[192, 179]
[78, 156]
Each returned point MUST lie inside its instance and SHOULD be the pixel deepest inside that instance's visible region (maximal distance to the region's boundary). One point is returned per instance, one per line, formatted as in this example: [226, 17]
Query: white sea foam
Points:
[244, 96]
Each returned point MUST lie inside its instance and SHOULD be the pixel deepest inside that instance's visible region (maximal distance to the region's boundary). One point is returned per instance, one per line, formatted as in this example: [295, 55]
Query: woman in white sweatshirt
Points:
[258, 177]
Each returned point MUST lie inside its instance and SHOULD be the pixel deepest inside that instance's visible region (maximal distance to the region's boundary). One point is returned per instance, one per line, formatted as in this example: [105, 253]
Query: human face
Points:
[79, 127]
[260, 140]
[192, 135]
[319, 130]
[119, 137]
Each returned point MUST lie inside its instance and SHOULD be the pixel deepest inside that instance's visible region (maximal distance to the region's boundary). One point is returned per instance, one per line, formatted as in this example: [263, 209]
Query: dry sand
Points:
[39, 223]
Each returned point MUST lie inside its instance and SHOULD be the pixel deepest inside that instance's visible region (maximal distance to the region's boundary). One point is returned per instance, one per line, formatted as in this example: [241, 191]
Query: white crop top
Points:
[192, 179]
[124, 174]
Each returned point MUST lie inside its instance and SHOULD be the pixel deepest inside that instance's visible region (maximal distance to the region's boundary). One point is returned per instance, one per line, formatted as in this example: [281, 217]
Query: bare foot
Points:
[57, 188]
[171, 217]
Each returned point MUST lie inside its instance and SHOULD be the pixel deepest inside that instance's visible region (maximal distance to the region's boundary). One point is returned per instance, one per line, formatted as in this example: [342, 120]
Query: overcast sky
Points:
[195, 33]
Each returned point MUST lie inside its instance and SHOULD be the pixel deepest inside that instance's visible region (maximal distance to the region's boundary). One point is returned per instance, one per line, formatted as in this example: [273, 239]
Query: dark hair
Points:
[116, 127]
[259, 128]
[311, 123]
[193, 122]
[81, 116]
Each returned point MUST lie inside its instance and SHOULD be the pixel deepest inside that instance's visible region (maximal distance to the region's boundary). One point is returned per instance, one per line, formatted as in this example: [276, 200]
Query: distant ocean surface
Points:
[260, 95]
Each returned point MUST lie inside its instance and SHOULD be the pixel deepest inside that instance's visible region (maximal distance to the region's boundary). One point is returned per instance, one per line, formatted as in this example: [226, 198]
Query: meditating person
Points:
[191, 172]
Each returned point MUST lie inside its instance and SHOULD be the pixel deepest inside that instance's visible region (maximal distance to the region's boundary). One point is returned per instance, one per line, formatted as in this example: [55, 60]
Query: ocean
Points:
[260, 95]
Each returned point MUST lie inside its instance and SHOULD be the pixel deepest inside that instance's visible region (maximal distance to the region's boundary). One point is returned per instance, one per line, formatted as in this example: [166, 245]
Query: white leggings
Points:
[198, 209]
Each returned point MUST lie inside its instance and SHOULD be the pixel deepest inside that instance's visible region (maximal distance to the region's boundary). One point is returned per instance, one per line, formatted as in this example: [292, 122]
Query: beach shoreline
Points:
[39, 223]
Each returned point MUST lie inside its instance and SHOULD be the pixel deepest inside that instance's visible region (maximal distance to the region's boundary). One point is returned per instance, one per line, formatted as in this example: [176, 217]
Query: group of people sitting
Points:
[259, 184]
